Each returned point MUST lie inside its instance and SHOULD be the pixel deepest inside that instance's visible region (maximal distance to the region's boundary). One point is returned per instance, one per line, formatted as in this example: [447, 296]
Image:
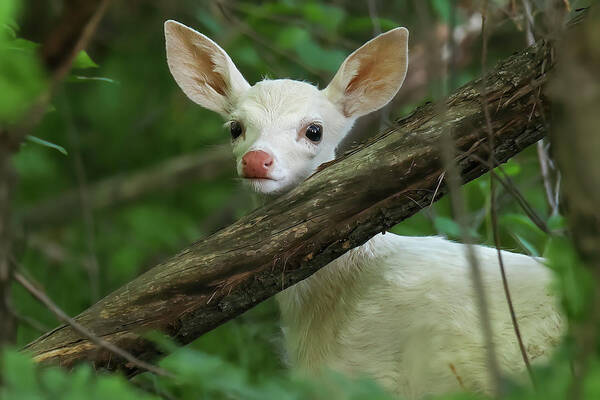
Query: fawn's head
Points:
[282, 129]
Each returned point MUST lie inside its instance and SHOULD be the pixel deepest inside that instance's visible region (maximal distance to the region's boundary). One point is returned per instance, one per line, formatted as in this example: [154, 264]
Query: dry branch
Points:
[365, 192]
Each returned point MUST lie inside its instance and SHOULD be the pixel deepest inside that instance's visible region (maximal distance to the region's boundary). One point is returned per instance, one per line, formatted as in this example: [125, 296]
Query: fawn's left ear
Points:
[371, 76]
[202, 69]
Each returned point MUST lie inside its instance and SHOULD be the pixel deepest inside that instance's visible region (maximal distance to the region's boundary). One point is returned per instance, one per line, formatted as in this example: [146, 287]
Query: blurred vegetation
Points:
[122, 113]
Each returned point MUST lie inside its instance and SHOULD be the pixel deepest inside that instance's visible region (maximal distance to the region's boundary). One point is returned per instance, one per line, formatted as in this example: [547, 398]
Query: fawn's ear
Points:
[371, 76]
[202, 69]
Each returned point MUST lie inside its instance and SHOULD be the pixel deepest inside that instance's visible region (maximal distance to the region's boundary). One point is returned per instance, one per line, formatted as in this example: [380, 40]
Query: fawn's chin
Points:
[264, 185]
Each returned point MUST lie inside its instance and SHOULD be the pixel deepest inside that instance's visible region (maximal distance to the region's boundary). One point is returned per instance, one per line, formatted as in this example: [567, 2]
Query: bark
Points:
[365, 192]
[576, 143]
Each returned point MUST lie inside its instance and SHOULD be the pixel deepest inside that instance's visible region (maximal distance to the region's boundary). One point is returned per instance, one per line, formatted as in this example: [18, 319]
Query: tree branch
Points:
[335, 210]
[62, 316]
[205, 164]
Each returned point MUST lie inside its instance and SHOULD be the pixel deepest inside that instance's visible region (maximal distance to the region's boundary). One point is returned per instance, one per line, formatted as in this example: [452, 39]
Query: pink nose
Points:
[256, 164]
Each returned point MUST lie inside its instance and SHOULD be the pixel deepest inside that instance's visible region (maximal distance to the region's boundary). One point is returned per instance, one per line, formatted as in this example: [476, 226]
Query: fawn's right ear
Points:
[202, 69]
[371, 76]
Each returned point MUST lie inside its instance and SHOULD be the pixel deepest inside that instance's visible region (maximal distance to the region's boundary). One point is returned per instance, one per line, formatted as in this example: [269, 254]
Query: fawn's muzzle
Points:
[257, 164]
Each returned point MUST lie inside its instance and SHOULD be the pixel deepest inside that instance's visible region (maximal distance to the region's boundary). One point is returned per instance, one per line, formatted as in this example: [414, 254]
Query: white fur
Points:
[401, 310]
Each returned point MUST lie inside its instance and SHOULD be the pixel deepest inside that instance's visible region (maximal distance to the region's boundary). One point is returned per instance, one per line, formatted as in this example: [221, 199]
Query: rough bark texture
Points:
[365, 192]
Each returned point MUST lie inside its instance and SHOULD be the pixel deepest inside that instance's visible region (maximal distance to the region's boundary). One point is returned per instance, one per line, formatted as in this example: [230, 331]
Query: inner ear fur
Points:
[372, 75]
[202, 69]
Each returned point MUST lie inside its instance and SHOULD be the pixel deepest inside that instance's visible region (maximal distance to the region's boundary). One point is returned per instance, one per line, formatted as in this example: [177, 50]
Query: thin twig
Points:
[35, 324]
[58, 73]
[543, 157]
[62, 316]
[374, 18]
[512, 189]
[92, 266]
[453, 177]
[458, 208]
[384, 113]
[493, 207]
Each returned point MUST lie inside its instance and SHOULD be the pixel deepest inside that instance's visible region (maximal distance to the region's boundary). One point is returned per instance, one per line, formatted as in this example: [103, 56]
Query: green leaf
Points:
[18, 369]
[442, 8]
[8, 11]
[557, 223]
[447, 227]
[329, 17]
[83, 61]
[524, 231]
[211, 24]
[21, 78]
[527, 246]
[37, 140]
[291, 37]
[512, 168]
[365, 24]
[80, 79]
[575, 279]
[315, 56]
[9, 29]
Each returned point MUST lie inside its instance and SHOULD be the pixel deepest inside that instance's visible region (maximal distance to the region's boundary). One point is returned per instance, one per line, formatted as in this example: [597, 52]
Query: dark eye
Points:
[236, 129]
[314, 132]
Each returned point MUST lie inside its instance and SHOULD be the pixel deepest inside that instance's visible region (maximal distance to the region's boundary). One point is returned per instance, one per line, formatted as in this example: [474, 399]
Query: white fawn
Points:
[401, 310]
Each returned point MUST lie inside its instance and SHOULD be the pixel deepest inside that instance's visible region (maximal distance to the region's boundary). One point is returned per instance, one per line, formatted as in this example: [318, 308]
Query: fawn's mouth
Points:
[258, 179]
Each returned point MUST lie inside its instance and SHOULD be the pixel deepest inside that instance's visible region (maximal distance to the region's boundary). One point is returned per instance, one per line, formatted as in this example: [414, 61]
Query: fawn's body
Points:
[401, 310]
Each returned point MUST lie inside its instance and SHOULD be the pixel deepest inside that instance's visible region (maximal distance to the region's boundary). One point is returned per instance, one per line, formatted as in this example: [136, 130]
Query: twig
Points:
[493, 207]
[384, 113]
[544, 160]
[92, 266]
[58, 66]
[509, 186]
[35, 324]
[205, 164]
[62, 316]
[458, 208]
[543, 157]
[453, 175]
[374, 18]
[84, 28]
